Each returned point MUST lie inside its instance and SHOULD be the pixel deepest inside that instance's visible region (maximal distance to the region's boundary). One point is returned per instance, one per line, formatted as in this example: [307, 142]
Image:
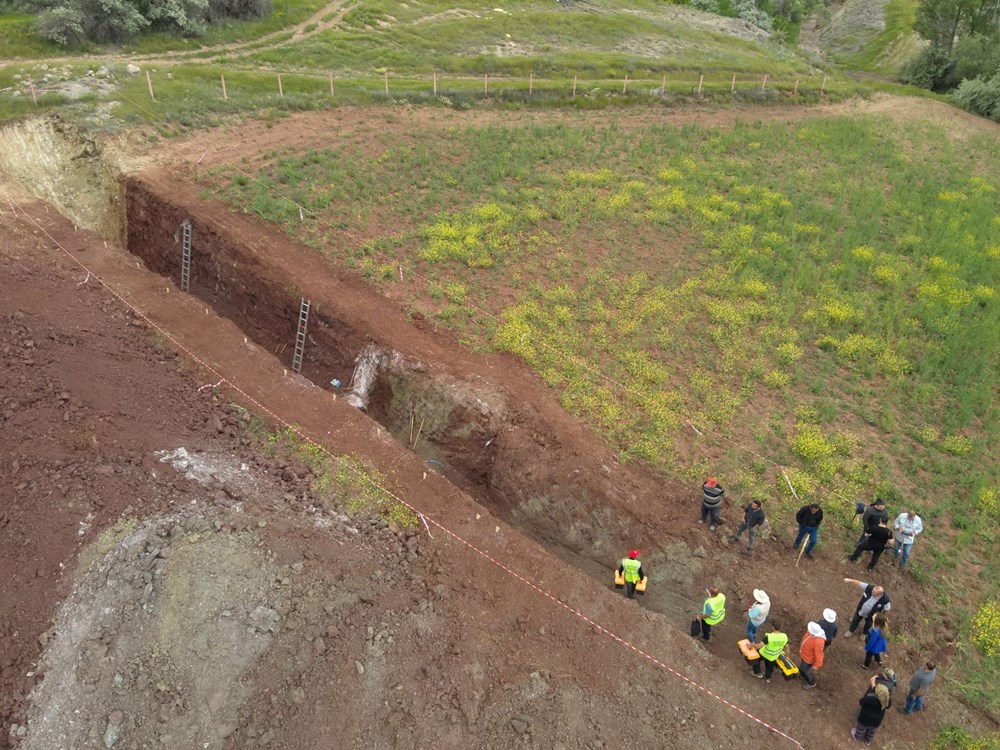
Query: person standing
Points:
[753, 518]
[811, 653]
[874, 541]
[809, 518]
[870, 518]
[712, 612]
[876, 643]
[873, 600]
[920, 683]
[757, 613]
[908, 525]
[830, 627]
[711, 501]
[871, 714]
[631, 570]
[770, 647]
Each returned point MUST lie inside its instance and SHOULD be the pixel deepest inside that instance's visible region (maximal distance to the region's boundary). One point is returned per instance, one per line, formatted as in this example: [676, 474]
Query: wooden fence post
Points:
[435, 83]
[531, 84]
[796, 92]
[31, 85]
[663, 86]
[574, 85]
[386, 77]
[149, 85]
[331, 83]
[486, 84]
[822, 88]
[732, 88]
[700, 82]
[281, 90]
[625, 85]
[224, 94]
[764, 82]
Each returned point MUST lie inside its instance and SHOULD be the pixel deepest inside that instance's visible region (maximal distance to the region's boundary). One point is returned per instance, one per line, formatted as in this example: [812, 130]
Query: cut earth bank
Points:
[192, 620]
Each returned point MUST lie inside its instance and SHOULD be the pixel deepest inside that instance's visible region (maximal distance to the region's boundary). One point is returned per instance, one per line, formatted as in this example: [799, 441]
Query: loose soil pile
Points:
[210, 597]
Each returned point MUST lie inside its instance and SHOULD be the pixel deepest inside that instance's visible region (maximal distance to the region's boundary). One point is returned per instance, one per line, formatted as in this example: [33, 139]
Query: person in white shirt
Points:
[907, 526]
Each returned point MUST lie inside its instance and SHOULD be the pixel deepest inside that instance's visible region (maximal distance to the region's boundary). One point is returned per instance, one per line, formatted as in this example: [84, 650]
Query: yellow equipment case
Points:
[640, 586]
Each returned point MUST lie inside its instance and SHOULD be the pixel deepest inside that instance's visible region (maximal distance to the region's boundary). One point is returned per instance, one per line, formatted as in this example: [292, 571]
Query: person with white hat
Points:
[829, 625]
[811, 653]
[757, 613]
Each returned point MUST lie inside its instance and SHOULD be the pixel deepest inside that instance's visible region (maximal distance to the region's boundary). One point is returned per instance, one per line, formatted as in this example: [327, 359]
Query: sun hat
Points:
[829, 615]
[815, 630]
[761, 596]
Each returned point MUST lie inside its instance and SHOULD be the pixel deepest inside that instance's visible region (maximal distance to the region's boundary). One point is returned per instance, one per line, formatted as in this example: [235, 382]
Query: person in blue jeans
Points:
[757, 614]
[809, 518]
[920, 683]
[907, 526]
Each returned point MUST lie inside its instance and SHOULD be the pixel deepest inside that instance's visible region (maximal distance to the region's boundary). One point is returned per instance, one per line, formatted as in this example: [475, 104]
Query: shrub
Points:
[986, 628]
[239, 10]
[980, 96]
[932, 69]
[61, 25]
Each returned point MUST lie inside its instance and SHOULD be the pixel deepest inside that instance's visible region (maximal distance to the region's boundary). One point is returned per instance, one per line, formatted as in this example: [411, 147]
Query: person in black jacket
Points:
[809, 518]
[871, 714]
[753, 517]
[870, 518]
[875, 541]
[711, 501]
[873, 600]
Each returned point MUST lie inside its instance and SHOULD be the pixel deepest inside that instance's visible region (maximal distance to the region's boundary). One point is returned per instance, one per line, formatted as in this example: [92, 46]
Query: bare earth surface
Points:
[168, 582]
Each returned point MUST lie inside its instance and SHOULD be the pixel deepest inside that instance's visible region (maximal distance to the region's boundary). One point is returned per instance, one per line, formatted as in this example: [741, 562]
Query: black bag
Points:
[695, 627]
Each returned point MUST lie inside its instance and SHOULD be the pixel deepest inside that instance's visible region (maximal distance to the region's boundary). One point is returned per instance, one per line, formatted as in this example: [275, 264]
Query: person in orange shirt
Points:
[811, 653]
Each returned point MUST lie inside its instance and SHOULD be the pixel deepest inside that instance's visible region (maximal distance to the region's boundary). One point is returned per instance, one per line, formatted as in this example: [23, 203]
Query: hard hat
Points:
[712, 481]
[633, 554]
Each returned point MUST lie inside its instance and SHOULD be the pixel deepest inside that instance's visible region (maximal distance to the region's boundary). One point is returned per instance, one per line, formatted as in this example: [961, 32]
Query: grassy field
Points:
[742, 281]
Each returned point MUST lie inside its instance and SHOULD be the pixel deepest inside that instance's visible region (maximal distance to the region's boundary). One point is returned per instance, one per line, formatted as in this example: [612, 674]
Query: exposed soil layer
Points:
[484, 422]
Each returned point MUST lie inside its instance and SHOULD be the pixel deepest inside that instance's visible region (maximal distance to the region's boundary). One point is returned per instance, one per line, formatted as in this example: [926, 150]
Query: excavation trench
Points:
[563, 490]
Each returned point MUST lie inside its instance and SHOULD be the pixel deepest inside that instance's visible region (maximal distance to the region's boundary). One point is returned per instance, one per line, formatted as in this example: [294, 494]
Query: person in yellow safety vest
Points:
[631, 569]
[713, 612]
[770, 648]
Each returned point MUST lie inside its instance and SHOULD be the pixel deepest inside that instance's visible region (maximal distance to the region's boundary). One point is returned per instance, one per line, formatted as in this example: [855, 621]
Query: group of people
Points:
[870, 614]
[876, 534]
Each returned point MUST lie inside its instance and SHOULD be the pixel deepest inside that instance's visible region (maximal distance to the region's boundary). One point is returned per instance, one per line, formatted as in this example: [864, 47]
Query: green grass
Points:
[730, 277]
[18, 39]
[899, 18]
[530, 37]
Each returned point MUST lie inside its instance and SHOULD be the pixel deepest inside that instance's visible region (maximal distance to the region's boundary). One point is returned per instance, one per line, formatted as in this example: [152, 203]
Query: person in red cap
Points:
[631, 570]
[711, 501]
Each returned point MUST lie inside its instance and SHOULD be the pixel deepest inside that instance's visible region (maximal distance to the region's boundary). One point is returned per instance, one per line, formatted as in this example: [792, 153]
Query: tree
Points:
[941, 21]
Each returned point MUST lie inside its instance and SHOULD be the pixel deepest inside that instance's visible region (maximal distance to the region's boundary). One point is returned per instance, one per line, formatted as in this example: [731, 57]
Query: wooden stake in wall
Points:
[149, 85]
[224, 94]
[764, 82]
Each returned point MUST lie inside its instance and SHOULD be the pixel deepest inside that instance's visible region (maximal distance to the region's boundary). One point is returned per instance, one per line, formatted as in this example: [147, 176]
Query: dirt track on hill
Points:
[222, 603]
